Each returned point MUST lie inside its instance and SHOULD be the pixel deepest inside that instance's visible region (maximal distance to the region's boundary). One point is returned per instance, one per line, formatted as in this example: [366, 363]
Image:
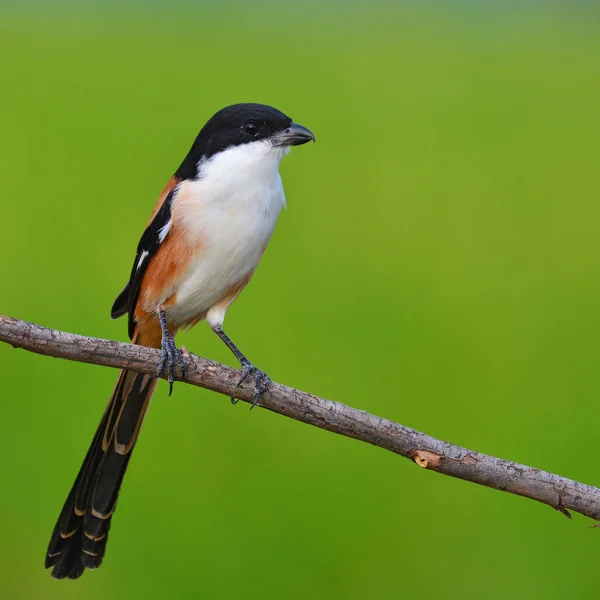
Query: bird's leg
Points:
[262, 380]
[169, 352]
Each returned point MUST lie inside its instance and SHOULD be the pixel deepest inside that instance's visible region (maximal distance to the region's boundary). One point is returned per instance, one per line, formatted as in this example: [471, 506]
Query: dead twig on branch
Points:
[429, 453]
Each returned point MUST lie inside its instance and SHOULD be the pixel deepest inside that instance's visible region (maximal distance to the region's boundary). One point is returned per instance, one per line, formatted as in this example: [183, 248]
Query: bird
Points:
[202, 244]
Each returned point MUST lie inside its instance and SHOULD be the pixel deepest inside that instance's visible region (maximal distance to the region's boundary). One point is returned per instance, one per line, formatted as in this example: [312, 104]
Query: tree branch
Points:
[427, 452]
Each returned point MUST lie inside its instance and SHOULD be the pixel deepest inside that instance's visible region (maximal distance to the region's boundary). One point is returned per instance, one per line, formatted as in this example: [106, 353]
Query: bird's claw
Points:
[262, 382]
[170, 354]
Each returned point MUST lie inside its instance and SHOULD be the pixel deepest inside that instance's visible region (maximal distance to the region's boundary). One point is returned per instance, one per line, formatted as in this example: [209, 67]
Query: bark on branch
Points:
[427, 452]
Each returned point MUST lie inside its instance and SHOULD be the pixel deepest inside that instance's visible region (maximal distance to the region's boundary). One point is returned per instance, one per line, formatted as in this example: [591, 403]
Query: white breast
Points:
[231, 211]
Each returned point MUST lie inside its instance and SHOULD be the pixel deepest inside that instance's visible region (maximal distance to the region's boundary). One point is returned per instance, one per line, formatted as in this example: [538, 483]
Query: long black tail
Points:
[79, 537]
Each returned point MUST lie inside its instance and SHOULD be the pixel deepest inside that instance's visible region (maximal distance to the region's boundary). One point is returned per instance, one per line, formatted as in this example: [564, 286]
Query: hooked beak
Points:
[294, 135]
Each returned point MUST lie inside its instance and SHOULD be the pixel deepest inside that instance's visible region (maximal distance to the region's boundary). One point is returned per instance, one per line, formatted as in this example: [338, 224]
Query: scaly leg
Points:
[169, 352]
[262, 380]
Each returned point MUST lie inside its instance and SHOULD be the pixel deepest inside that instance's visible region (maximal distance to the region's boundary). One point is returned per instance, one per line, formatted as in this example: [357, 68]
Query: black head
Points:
[241, 124]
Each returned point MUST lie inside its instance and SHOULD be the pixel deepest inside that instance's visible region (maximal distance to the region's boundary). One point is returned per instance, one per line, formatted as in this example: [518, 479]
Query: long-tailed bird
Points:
[204, 240]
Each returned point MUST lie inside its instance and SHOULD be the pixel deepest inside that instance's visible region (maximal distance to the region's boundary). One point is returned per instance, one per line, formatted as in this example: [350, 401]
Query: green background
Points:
[438, 265]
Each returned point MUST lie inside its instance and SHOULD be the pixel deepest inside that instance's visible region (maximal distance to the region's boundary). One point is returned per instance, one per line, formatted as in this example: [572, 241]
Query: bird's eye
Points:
[251, 128]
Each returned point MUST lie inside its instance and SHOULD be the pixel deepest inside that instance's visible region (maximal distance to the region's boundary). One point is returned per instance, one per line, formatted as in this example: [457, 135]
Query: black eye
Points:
[251, 129]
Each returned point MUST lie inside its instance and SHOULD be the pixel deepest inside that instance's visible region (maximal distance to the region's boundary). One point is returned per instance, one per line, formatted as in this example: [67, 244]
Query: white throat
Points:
[251, 168]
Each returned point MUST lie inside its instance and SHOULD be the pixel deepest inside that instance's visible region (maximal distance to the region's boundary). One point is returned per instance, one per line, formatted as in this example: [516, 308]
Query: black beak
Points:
[294, 135]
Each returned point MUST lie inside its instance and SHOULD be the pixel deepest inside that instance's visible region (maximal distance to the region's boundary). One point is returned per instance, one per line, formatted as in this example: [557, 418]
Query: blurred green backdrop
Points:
[438, 265]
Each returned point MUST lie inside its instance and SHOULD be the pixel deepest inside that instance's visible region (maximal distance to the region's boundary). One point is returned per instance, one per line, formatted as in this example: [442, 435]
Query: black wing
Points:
[151, 239]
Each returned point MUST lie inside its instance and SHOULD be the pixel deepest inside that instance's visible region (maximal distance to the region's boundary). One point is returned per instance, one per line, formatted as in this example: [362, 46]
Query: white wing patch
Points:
[164, 230]
[162, 234]
[143, 257]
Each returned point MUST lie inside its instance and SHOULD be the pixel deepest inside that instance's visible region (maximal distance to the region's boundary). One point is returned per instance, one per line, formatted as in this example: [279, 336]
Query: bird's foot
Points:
[262, 381]
[170, 354]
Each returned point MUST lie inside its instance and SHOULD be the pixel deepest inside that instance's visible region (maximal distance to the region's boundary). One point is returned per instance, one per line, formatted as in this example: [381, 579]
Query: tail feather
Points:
[81, 532]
